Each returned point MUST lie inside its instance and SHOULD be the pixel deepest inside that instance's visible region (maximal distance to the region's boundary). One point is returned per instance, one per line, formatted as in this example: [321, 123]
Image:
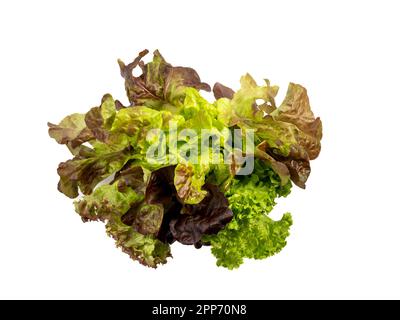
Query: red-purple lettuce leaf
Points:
[205, 218]
[88, 168]
[159, 82]
[159, 204]
[221, 91]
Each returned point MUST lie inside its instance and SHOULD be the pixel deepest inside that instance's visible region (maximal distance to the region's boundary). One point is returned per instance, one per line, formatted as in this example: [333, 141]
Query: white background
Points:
[59, 57]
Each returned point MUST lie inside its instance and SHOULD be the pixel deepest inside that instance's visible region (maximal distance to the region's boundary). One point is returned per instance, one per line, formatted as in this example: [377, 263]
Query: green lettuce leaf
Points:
[146, 249]
[105, 201]
[258, 238]
[100, 119]
[251, 233]
[71, 131]
[242, 108]
[188, 181]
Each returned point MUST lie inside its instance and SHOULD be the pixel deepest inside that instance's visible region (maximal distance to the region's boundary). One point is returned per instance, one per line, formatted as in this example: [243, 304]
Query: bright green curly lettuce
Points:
[251, 233]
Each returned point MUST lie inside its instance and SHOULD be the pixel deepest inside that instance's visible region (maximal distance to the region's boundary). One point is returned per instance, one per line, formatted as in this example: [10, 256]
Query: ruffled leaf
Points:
[160, 82]
[207, 217]
[251, 234]
[295, 109]
[71, 131]
[146, 249]
[88, 168]
[188, 181]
